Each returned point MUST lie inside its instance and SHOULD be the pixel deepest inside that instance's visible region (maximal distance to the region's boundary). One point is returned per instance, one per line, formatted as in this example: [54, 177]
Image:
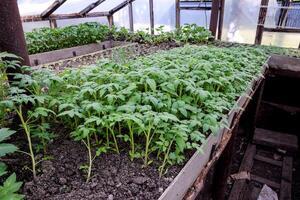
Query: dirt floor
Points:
[114, 176]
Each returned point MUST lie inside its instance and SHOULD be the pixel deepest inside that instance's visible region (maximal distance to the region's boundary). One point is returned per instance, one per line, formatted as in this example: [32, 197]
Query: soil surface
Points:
[114, 176]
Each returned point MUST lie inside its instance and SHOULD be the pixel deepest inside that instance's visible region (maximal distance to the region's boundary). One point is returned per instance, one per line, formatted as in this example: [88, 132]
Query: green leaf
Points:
[7, 148]
[10, 186]
[5, 133]
[151, 83]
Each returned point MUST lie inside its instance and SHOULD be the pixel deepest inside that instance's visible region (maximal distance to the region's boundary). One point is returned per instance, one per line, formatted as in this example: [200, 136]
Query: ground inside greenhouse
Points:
[114, 176]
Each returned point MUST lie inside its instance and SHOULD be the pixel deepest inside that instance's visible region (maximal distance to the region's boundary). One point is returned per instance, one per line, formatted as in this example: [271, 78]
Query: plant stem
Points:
[88, 145]
[131, 140]
[27, 131]
[161, 170]
[148, 141]
[115, 140]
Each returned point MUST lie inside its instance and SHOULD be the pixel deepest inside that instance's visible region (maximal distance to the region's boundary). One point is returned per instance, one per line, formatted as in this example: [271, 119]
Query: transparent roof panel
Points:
[73, 6]
[33, 7]
[107, 5]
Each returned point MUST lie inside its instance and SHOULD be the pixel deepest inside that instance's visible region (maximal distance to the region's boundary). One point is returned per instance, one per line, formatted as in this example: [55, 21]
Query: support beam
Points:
[221, 17]
[53, 23]
[282, 30]
[151, 17]
[90, 7]
[110, 19]
[130, 13]
[261, 21]
[35, 18]
[177, 14]
[214, 17]
[12, 38]
[54, 6]
[120, 6]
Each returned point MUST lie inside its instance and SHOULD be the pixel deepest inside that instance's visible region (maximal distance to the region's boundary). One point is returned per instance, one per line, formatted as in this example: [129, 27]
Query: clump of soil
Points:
[114, 176]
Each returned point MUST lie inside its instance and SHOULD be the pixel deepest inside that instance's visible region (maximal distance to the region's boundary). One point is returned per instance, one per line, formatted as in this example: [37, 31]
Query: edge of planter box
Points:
[67, 53]
[193, 168]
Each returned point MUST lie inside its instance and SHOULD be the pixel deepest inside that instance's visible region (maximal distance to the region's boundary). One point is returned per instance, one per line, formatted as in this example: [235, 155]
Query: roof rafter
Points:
[33, 18]
[54, 6]
[90, 7]
[120, 6]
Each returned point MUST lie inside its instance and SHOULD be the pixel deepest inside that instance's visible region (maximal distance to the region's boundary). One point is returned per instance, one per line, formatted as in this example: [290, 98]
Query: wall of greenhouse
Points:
[240, 18]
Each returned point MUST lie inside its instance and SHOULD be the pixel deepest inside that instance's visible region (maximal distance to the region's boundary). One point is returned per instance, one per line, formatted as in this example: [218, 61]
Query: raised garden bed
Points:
[148, 185]
[63, 54]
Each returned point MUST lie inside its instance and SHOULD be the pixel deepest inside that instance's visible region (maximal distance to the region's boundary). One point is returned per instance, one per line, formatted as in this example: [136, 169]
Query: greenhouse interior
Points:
[149, 99]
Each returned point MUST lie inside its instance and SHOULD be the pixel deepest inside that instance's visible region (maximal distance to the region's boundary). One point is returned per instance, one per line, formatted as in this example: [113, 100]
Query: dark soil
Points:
[114, 176]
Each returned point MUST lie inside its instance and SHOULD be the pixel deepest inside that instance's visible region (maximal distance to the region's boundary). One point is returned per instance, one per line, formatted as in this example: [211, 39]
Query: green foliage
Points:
[10, 186]
[47, 39]
[163, 104]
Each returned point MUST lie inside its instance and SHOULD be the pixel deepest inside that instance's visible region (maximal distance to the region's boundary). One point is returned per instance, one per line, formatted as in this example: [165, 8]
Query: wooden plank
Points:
[261, 21]
[286, 179]
[90, 7]
[177, 13]
[54, 6]
[286, 108]
[151, 17]
[61, 54]
[265, 181]
[130, 13]
[120, 6]
[287, 169]
[276, 139]
[247, 163]
[268, 160]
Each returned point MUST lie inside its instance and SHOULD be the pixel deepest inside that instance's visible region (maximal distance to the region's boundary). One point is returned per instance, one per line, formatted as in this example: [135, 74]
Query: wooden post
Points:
[53, 23]
[222, 169]
[221, 17]
[12, 38]
[110, 19]
[261, 21]
[177, 13]
[151, 16]
[130, 16]
[214, 17]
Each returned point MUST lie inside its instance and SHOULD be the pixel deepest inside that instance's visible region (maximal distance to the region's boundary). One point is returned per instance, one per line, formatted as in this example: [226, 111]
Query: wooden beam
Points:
[120, 6]
[195, 8]
[177, 13]
[130, 13]
[214, 17]
[54, 6]
[110, 19]
[53, 23]
[261, 21]
[282, 30]
[221, 17]
[35, 18]
[90, 7]
[151, 17]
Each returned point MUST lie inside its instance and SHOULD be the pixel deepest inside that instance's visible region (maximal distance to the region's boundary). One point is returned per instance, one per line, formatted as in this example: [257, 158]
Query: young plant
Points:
[10, 186]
